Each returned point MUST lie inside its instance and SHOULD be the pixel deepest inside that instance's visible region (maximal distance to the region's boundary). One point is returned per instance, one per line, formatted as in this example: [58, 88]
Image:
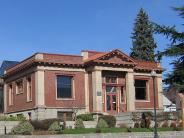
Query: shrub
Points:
[44, 124]
[21, 117]
[86, 117]
[79, 123]
[98, 130]
[102, 124]
[54, 128]
[173, 125]
[143, 123]
[165, 124]
[24, 128]
[136, 125]
[13, 118]
[111, 120]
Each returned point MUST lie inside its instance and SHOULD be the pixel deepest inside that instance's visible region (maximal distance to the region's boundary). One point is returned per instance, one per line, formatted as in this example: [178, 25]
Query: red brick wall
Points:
[50, 90]
[20, 100]
[150, 102]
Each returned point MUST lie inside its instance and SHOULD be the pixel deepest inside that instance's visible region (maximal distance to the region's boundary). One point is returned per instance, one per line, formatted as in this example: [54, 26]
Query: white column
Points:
[130, 91]
[97, 90]
[39, 88]
[5, 97]
[160, 92]
[87, 92]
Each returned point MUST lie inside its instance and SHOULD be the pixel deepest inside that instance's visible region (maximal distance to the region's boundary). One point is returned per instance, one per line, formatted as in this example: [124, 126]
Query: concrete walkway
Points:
[170, 134]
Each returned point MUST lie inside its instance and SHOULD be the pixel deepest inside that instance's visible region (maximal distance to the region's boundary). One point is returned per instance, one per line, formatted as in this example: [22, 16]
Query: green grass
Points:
[79, 131]
[113, 130]
[140, 130]
[93, 130]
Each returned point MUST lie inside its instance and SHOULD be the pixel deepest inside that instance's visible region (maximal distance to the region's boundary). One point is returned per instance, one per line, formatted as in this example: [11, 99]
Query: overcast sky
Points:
[69, 26]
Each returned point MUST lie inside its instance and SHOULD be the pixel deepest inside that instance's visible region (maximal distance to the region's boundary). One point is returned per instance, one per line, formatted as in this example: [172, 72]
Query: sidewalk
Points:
[170, 134]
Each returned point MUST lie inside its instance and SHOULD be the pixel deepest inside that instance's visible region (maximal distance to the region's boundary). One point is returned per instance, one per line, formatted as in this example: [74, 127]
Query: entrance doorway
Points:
[111, 99]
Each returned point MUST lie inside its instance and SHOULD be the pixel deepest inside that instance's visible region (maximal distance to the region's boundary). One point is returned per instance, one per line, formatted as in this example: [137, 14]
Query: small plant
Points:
[13, 118]
[24, 128]
[21, 117]
[136, 125]
[111, 120]
[102, 124]
[143, 123]
[165, 124]
[44, 124]
[98, 130]
[54, 128]
[173, 125]
[86, 117]
[79, 123]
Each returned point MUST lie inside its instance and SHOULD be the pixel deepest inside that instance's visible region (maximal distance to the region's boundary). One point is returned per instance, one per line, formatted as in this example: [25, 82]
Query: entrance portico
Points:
[110, 92]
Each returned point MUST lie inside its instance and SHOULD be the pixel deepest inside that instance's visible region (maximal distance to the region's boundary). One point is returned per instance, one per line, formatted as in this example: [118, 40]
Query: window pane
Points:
[114, 102]
[64, 86]
[140, 83]
[140, 93]
[140, 89]
[110, 89]
[122, 95]
[111, 79]
[108, 102]
[19, 86]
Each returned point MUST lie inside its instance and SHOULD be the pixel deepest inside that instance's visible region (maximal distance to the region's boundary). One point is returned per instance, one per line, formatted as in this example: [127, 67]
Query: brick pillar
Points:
[130, 91]
[97, 90]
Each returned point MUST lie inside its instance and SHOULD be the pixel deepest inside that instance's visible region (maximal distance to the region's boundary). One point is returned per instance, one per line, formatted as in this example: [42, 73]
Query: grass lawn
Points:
[112, 130]
[93, 130]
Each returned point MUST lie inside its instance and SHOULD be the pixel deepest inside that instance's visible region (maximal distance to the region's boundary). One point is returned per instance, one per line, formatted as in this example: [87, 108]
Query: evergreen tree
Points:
[175, 79]
[142, 39]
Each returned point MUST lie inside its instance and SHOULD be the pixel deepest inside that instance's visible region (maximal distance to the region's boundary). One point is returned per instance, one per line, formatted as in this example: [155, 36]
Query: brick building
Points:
[55, 85]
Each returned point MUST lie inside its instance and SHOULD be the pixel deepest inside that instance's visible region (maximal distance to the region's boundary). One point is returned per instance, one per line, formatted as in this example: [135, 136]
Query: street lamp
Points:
[153, 74]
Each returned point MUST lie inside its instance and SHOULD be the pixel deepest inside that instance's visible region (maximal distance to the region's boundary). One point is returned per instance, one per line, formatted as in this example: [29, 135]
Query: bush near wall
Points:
[24, 128]
[86, 117]
[111, 120]
[101, 123]
[79, 123]
[12, 118]
[54, 128]
[44, 124]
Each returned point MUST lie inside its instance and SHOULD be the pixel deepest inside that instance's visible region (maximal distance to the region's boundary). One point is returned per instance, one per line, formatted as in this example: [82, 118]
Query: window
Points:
[10, 95]
[140, 89]
[29, 89]
[122, 95]
[110, 89]
[64, 86]
[19, 87]
[67, 116]
[111, 79]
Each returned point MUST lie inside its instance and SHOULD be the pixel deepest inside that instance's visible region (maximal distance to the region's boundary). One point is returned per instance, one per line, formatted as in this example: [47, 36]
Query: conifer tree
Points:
[175, 79]
[142, 39]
